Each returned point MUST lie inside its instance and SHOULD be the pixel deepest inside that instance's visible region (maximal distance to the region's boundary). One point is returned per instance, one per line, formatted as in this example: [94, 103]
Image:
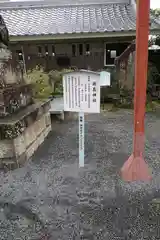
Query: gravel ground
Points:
[51, 198]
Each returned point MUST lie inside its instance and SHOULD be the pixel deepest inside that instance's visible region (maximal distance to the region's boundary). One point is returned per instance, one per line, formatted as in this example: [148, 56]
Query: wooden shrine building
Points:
[85, 34]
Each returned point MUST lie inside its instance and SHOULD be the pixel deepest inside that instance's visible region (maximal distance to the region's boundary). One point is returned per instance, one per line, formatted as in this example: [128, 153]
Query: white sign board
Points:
[81, 92]
[105, 78]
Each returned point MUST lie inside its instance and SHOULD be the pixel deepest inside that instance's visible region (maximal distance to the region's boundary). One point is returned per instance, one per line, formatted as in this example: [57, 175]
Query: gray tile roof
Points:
[50, 18]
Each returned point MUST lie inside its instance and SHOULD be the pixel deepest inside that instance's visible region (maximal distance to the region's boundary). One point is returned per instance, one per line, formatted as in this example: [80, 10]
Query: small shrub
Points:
[126, 97]
[150, 107]
[56, 80]
[40, 81]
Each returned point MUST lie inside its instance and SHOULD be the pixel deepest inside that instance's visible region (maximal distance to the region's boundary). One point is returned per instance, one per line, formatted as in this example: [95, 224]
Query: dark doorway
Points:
[63, 61]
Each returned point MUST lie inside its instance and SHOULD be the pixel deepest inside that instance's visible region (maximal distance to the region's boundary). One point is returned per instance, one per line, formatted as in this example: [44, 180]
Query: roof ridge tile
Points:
[50, 3]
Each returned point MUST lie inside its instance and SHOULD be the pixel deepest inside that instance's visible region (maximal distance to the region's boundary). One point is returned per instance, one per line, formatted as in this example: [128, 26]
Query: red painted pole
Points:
[135, 168]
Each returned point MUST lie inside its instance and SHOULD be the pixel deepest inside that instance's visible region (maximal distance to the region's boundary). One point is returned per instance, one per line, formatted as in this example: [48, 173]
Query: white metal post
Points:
[81, 139]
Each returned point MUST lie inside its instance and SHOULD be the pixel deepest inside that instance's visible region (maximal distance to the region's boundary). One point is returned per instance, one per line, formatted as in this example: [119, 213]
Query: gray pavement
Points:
[51, 198]
[57, 105]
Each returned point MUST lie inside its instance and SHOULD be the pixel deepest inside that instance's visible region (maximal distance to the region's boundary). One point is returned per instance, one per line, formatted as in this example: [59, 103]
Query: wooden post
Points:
[135, 167]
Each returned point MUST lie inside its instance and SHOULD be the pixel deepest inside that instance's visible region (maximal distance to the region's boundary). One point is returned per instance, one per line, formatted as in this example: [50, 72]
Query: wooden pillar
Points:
[141, 69]
[135, 167]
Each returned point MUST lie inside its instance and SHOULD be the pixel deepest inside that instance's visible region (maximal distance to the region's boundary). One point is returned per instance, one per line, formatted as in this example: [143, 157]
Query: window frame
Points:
[75, 53]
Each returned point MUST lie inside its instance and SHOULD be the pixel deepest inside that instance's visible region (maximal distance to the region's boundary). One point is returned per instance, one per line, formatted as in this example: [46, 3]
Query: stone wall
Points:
[15, 97]
[34, 125]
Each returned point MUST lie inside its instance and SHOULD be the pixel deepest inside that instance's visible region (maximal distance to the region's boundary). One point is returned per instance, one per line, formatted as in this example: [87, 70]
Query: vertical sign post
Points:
[81, 93]
[81, 139]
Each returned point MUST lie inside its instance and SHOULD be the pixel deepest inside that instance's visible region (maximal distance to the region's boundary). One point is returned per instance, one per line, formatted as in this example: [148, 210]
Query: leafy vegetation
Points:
[40, 81]
[155, 13]
[46, 84]
[55, 80]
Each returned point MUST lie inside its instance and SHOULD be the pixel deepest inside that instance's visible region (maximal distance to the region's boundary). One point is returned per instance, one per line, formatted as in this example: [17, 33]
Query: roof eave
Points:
[71, 36]
[48, 3]
[77, 36]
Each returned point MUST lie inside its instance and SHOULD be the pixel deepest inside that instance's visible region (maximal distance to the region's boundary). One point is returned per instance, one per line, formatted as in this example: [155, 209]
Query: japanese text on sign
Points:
[81, 92]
